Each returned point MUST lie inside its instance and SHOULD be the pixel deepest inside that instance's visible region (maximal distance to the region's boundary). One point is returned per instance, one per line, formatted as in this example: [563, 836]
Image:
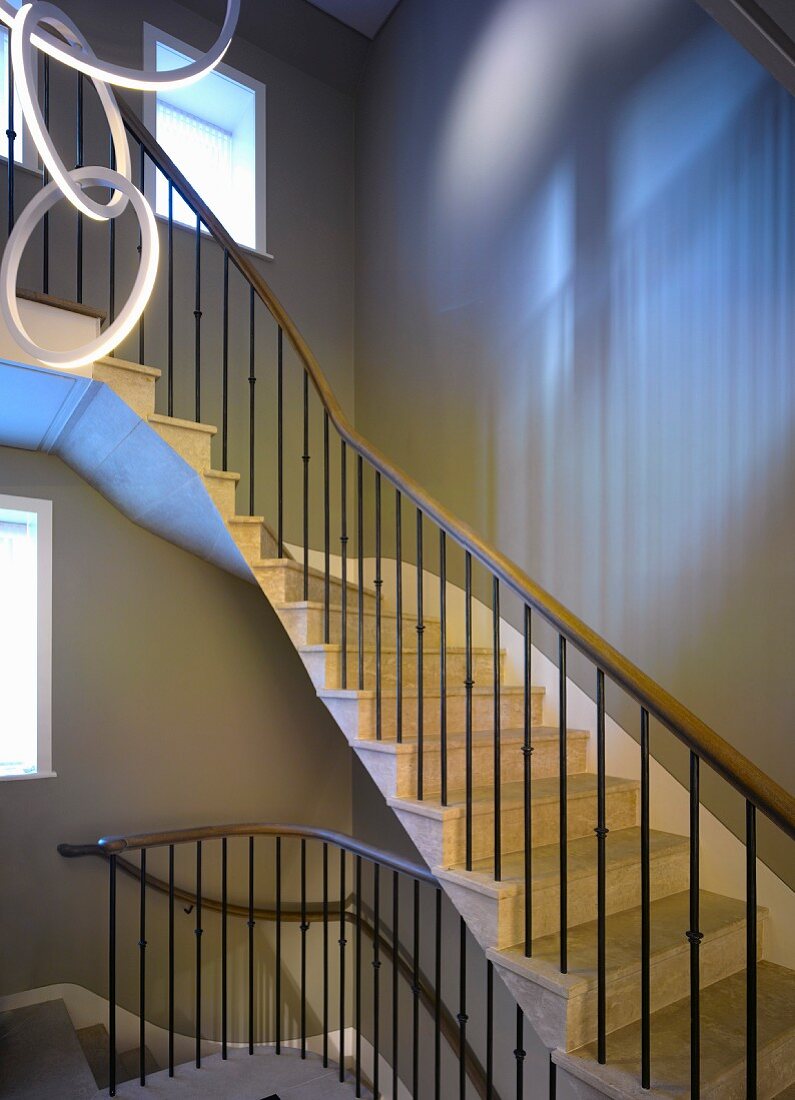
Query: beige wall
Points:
[177, 700]
[574, 326]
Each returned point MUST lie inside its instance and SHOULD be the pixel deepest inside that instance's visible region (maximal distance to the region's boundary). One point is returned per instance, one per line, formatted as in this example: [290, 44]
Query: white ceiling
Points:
[367, 16]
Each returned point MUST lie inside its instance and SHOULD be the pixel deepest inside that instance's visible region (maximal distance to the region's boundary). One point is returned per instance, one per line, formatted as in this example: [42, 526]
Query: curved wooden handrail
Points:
[751, 782]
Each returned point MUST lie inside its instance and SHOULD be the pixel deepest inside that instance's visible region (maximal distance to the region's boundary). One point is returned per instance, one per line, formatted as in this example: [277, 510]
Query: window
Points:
[25, 637]
[19, 143]
[214, 132]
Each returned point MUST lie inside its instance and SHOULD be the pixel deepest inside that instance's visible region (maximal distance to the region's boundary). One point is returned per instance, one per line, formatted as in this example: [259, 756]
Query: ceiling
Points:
[365, 16]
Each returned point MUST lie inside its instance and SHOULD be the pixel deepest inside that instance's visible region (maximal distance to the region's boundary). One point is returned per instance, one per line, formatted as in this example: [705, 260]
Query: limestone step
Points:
[133, 383]
[304, 621]
[494, 911]
[254, 538]
[723, 1031]
[95, 1044]
[355, 711]
[563, 1007]
[440, 831]
[323, 662]
[282, 581]
[41, 1056]
[394, 767]
[193, 442]
[221, 486]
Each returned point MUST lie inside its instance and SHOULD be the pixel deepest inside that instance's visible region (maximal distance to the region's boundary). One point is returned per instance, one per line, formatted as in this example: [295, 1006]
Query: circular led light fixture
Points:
[27, 32]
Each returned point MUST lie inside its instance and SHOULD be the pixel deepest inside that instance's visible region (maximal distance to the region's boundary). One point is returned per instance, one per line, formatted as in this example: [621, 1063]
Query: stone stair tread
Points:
[223, 475]
[125, 364]
[410, 692]
[430, 649]
[175, 422]
[456, 739]
[669, 921]
[722, 1039]
[317, 605]
[622, 846]
[41, 1055]
[580, 785]
[298, 567]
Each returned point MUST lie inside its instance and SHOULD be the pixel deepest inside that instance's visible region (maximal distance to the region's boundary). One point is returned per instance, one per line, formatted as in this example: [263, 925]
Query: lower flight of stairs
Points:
[561, 1007]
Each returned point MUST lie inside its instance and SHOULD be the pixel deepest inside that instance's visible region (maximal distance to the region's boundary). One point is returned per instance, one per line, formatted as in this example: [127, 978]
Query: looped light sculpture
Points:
[28, 31]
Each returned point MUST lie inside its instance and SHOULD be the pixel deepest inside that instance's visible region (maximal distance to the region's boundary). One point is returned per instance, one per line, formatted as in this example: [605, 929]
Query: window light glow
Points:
[18, 643]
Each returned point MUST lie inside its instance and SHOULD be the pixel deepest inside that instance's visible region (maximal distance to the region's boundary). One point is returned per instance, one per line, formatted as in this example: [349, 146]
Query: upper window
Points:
[214, 132]
[19, 142]
[25, 629]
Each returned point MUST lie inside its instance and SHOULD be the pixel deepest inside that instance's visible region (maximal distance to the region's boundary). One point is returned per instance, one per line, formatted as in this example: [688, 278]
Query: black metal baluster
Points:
[11, 134]
[563, 839]
[358, 977]
[601, 870]
[304, 930]
[376, 973]
[443, 664]
[252, 382]
[141, 320]
[280, 440]
[379, 580]
[497, 734]
[305, 462]
[344, 550]
[694, 935]
[197, 320]
[326, 535]
[342, 942]
[224, 944]
[171, 960]
[468, 684]
[142, 972]
[225, 369]
[750, 953]
[399, 609]
[170, 348]
[462, 1010]
[415, 991]
[79, 163]
[489, 1029]
[112, 977]
[553, 1079]
[645, 903]
[360, 550]
[198, 934]
[250, 925]
[420, 655]
[527, 753]
[278, 976]
[395, 986]
[111, 250]
[437, 1003]
[45, 179]
[519, 1053]
[325, 954]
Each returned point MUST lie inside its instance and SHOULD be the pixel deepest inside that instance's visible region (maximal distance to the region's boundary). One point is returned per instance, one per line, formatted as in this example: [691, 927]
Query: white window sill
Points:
[28, 775]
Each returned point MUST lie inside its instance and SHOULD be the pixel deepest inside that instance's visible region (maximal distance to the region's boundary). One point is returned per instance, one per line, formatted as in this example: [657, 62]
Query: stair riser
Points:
[222, 492]
[136, 390]
[192, 445]
[357, 717]
[305, 626]
[287, 586]
[443, 842]
[396, 775]
[325, 668]
[254, 541]
[569, 1023]
[498, 921]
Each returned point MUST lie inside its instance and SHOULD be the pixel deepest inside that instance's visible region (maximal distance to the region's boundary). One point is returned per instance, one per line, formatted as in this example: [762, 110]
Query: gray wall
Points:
[178, 700]
[574, 326]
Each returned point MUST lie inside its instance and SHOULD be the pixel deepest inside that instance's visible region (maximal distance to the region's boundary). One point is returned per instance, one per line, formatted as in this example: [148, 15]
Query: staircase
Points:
[639, 981]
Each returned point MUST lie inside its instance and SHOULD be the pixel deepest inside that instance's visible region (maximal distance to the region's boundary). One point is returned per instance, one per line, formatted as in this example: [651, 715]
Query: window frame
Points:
[153, 35]
[30, 157]
[43, 510]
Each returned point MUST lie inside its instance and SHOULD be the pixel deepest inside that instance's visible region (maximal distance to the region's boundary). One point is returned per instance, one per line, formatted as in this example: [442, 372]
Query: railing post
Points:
[645, 901]
[171, 960]
[601, 870]
[252, 382]
[497, 755]
[250, 926]
[563, 795]
[142, 974]
[224, 944]
[694, 935]
[376, 974]
[112, 977]
[420, 657]
[751, 953]
[468, 685]
[527, 754]
[198, 932]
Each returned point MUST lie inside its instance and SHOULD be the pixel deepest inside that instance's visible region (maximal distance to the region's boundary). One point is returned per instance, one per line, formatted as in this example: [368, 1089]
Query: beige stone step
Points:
[193, 442]
[221, 485]
[304, 621]
[282, 581]
[440, 831]
[355, 711]
[133, 383]
[723, 1030]
[255, 539]
[494, 911]
[563, 1007]
[394, 767]
[324, 663]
